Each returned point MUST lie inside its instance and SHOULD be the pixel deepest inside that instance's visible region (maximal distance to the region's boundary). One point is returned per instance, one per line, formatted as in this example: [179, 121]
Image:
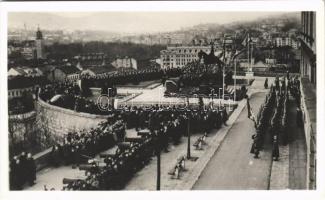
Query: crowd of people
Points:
[67, 95]
[22, 170]
[165, 125]
[78, 147]
[131, 76]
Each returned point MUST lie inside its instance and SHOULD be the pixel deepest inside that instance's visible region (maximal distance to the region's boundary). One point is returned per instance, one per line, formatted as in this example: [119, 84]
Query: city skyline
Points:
[132, 22]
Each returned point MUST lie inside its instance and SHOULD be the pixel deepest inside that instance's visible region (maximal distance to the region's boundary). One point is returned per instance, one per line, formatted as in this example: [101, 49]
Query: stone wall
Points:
[54, 121]
[22, 132]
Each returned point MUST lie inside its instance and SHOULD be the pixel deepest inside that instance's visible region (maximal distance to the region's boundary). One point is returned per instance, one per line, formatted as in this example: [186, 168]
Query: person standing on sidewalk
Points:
[299, 117]
[266, 83]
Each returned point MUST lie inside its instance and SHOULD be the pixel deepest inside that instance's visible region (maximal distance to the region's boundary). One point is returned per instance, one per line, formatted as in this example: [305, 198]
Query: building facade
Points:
[65, 73]
[286, 41]
[308, 46]
[179, 56]
[308, 91]
[125, 62]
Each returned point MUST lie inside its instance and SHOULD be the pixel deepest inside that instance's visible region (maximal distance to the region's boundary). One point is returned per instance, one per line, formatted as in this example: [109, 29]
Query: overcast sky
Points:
[130, 22]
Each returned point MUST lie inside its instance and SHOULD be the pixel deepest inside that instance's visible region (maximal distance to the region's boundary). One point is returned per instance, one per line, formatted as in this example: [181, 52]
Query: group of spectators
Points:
[78, 147]
[67, 95]
[22, 170]
[165, 125]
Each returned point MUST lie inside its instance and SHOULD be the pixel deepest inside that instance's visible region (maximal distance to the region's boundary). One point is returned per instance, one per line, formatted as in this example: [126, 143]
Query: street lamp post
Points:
[223, 69]
[235, 80]
[188, 134]
[158, 170]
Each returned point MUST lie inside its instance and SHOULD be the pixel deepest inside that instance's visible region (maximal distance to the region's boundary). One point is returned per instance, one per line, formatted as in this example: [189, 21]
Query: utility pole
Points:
[158, 150]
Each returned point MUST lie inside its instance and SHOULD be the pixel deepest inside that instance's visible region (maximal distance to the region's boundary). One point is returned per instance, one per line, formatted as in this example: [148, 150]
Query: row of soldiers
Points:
[131, 76]
[262, 122]
[22, 170]
[276, 100]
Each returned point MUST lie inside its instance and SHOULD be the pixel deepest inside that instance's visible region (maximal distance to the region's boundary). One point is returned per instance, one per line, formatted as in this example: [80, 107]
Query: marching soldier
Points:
[275, 149]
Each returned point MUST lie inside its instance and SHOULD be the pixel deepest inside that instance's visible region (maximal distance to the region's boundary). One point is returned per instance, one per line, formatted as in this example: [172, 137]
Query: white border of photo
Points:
[173, 6]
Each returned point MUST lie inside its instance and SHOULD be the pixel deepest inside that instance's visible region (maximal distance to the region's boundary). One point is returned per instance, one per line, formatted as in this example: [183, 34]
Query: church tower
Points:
[39, 44]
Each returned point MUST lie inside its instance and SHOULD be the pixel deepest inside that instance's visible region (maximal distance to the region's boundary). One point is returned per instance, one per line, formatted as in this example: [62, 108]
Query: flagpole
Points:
[235, 81]
[223, 69]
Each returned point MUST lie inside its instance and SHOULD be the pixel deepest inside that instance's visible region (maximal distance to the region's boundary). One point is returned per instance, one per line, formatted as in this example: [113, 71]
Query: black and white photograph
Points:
[161, 100]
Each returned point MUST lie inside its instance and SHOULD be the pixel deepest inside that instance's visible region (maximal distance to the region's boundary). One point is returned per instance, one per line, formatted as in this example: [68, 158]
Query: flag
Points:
[246, 40]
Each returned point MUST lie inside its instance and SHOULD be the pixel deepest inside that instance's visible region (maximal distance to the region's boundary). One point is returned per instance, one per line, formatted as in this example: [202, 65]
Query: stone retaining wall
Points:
[57, 121]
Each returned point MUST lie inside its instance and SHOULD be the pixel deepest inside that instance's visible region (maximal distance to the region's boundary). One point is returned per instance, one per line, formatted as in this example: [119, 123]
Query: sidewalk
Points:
[290, 171]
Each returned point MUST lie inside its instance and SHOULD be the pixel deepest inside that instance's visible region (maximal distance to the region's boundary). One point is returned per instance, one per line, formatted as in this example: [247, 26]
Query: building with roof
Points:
[125, 62]
[19, 85]
[179, 56]
[63, 73]
[25, 71]
[88, 60]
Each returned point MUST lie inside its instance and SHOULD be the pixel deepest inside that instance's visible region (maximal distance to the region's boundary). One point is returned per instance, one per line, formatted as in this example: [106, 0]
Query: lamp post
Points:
[188, 134]
[212, 94]
[223, 69]
[235, 79]
[158, 170]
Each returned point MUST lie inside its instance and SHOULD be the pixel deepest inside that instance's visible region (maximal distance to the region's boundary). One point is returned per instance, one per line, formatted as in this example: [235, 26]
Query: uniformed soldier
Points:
[275, 148]
[266, 84]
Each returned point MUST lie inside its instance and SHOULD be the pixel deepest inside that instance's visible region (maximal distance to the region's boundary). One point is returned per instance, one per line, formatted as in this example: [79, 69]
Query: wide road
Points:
[232, 166]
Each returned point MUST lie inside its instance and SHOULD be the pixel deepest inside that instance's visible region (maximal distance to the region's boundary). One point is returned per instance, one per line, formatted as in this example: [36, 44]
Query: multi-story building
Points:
[125, 62]
[64, 73]
[286, 41]
[308, 46]
[28, 52]
[179, 56]
[308, 91]
[88, 60]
